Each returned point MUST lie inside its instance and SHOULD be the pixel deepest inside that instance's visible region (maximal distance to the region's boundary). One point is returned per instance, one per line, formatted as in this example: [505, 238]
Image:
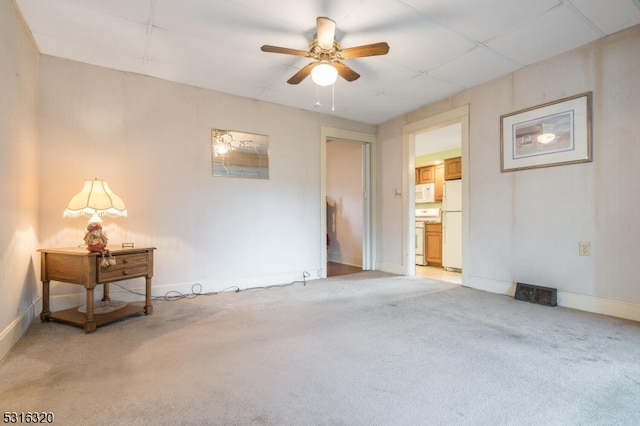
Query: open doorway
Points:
[458, 118]
[345, 207]
[438, 219]
[347, 201]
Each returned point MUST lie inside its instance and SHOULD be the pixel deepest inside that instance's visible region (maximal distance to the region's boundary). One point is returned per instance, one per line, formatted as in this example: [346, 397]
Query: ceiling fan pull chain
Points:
[317, 104]
[333, 97]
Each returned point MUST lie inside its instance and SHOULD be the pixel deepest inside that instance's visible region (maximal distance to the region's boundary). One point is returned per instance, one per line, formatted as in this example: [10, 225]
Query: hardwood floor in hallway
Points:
[336, 269]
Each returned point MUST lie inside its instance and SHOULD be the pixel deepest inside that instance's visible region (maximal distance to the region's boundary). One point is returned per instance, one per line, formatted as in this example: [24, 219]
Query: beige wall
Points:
[62, 122]
[19, 165]
[525, 226]
[150, 139]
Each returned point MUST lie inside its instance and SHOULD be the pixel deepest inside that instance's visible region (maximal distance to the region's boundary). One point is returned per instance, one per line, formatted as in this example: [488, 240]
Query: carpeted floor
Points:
[364, 349]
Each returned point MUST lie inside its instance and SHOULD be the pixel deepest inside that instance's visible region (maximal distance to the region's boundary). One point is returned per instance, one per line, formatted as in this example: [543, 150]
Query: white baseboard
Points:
[134, 292]
[599, 305]
[10, 335]
[581, 302]
[391, 268]
[490, 285]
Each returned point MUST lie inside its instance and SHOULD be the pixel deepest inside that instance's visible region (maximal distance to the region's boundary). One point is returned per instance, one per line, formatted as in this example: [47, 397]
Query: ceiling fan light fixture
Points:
[324, 74]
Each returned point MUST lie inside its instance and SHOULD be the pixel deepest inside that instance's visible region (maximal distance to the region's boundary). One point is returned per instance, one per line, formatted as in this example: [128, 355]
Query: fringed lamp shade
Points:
[96, 199]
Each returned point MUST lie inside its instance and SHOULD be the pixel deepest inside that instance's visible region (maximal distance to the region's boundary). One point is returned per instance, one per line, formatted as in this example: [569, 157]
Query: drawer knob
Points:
[125, 260]
[125, 272]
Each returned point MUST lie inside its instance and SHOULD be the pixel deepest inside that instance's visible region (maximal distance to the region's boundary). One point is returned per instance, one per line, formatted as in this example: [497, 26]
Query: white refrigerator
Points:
[452, 225]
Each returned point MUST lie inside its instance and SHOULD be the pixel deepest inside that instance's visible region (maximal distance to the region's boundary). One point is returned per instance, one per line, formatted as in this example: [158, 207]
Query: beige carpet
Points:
[365, 349]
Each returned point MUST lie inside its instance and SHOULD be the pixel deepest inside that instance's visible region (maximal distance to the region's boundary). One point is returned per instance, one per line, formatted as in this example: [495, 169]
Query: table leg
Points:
[90, 324]
[148, 307]
[46, 310]
[105, 292]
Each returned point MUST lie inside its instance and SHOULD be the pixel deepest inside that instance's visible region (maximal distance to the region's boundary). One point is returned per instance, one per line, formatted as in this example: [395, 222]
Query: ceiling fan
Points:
[326, 51]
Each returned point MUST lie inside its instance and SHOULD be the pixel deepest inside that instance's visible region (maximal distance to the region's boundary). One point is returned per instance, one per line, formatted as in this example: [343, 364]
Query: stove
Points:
[424, 216]
[429, 215]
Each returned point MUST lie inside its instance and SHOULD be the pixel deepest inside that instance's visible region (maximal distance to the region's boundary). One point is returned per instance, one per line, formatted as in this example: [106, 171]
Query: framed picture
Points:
[551, 134]
[239, 154]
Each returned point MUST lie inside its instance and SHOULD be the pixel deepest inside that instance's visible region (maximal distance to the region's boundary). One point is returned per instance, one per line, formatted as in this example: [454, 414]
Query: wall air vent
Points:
[536, 294]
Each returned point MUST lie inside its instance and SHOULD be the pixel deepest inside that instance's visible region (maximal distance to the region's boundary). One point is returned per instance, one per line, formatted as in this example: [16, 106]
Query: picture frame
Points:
[552, 134]
[239, 154]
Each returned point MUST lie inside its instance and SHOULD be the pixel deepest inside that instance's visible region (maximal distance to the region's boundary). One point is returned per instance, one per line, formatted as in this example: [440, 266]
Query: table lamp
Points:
[95, 199]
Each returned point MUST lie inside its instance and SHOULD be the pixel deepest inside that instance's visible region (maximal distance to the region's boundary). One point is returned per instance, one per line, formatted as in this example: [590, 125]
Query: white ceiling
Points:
[438, 47]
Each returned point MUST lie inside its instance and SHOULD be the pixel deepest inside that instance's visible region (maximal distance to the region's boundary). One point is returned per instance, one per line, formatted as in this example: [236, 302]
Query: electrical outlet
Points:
[584, 248]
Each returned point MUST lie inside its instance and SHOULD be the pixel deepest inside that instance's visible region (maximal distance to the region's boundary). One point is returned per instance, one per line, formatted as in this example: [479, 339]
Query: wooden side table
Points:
[78, 266]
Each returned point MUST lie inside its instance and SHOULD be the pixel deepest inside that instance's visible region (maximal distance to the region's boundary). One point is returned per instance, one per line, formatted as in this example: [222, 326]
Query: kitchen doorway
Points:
[411, 133]
[438, 235]
[347, 201]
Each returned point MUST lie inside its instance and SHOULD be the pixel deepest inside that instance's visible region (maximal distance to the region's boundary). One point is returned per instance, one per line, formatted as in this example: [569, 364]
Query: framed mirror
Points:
[239, 154]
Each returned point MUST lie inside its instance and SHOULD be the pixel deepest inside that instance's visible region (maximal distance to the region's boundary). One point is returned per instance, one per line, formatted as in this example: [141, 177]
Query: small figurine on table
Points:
[95, 238]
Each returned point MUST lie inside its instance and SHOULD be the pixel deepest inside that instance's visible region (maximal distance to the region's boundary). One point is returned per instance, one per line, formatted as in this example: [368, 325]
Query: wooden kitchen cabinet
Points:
[433, 243]
[425, 175]
[453, 168]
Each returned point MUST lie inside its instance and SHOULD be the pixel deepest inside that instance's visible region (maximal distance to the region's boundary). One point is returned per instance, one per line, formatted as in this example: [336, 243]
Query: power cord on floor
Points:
[305, 274]
[196, 290]
[176, 295]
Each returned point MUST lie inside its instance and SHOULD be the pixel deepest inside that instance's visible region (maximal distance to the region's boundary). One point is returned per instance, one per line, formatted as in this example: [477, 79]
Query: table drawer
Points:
[127, 266]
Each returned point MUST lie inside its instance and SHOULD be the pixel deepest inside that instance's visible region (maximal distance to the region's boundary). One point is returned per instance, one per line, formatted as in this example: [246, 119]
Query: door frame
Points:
[409, 131]
[328, 134]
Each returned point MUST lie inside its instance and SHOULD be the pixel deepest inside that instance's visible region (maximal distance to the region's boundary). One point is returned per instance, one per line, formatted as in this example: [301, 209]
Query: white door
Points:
[452, 240]
[420, 244]
[452, 225]
[452, 196]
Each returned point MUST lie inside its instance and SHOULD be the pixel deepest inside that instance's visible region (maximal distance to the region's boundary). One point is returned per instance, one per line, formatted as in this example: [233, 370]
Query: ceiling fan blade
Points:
[366, 50]
[285, 50]
[302, 74]
[345, 72]
[326, 32]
